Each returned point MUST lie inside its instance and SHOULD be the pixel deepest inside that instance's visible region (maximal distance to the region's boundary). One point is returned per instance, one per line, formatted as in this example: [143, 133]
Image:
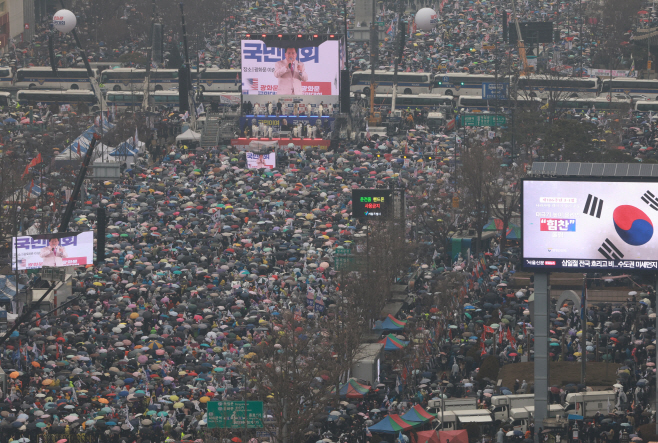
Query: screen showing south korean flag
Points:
[290, 71]
[577, 225]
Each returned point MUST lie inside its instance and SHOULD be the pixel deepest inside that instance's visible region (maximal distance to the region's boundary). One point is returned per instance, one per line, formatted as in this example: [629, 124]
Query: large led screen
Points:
[54, 250]
[580, 225]
[290, 71]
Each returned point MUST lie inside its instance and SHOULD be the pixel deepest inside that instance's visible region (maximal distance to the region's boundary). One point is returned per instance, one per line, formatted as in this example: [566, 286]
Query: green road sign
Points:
[379, 23]
[230, 414]
[484, 120]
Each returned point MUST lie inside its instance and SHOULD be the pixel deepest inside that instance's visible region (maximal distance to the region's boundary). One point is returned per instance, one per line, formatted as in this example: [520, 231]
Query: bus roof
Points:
[56, 91]
[48, 68]
[383, 71]
[424, 95]
[136, 69]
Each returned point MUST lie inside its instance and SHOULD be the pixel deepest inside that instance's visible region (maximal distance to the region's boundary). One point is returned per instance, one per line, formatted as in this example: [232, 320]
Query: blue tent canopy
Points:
[391, 324]
[36, 190]
[85, 138]
[8, 287]
[125, 149]
[392, 424]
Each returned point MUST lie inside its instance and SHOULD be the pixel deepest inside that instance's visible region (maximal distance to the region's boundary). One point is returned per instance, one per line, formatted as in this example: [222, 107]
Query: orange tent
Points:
[454, 436]
[427, 437]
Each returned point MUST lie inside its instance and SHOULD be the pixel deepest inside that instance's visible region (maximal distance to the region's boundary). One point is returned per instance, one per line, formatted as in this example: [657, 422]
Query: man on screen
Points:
[53, 253]
[291, 73]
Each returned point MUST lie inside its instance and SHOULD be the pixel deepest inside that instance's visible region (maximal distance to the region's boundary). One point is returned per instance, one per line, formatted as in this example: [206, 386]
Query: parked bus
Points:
[408, 82]
[124, 100]
[223, 80]
[422, 101]
[5, 100]
[553, 87]
[167, 99]
[481, 104]
[71, 97]
[45, 78]
[598, 104]
[460, 84]
[646, 106]
[6, 77]
[631, 86]
[127, 79]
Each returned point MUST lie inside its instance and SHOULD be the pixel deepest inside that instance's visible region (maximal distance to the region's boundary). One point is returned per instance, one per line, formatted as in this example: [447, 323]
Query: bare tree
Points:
[504, 200]
[478, 175]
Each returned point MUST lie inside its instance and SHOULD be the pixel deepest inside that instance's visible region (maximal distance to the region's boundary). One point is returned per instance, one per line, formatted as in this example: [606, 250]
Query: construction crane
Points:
[527, 69]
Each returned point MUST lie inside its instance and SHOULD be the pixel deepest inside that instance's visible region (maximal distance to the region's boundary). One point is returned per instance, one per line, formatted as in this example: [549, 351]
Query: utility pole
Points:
[149, 57]
[397, 60]
[374, 58]
[581, 38]
[583, 337]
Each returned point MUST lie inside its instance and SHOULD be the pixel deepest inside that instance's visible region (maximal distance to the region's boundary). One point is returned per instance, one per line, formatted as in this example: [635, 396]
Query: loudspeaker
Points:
[345, 91]
[101, 221]
[183, 89]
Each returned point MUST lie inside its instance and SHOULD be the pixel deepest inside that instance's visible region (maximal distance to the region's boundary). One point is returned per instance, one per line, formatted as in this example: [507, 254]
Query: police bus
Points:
[408, 82]
[124, 100]
[72, 97]
[221, 80]
[549, 87]
[45, 78]
[429, 102]
[127, 79]
[481, 104]
[631, 86]
[460, 84]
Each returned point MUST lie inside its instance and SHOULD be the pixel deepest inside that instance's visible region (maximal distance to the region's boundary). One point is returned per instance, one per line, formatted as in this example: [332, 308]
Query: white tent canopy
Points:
[189, 135]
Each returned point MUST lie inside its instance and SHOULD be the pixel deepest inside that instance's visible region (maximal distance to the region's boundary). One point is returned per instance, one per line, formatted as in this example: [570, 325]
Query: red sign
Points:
[549, 263]
[27, 26]
[316, 88]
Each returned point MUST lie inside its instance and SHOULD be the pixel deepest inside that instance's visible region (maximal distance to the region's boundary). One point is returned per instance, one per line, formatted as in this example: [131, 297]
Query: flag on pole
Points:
[79, 152]
[35, 161]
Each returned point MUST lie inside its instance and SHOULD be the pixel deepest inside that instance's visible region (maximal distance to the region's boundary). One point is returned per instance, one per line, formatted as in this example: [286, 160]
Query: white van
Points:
[588, 404]
[501, 404]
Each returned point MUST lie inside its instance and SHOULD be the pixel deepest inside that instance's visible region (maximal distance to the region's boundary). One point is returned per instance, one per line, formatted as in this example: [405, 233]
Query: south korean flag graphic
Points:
[631, 223]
